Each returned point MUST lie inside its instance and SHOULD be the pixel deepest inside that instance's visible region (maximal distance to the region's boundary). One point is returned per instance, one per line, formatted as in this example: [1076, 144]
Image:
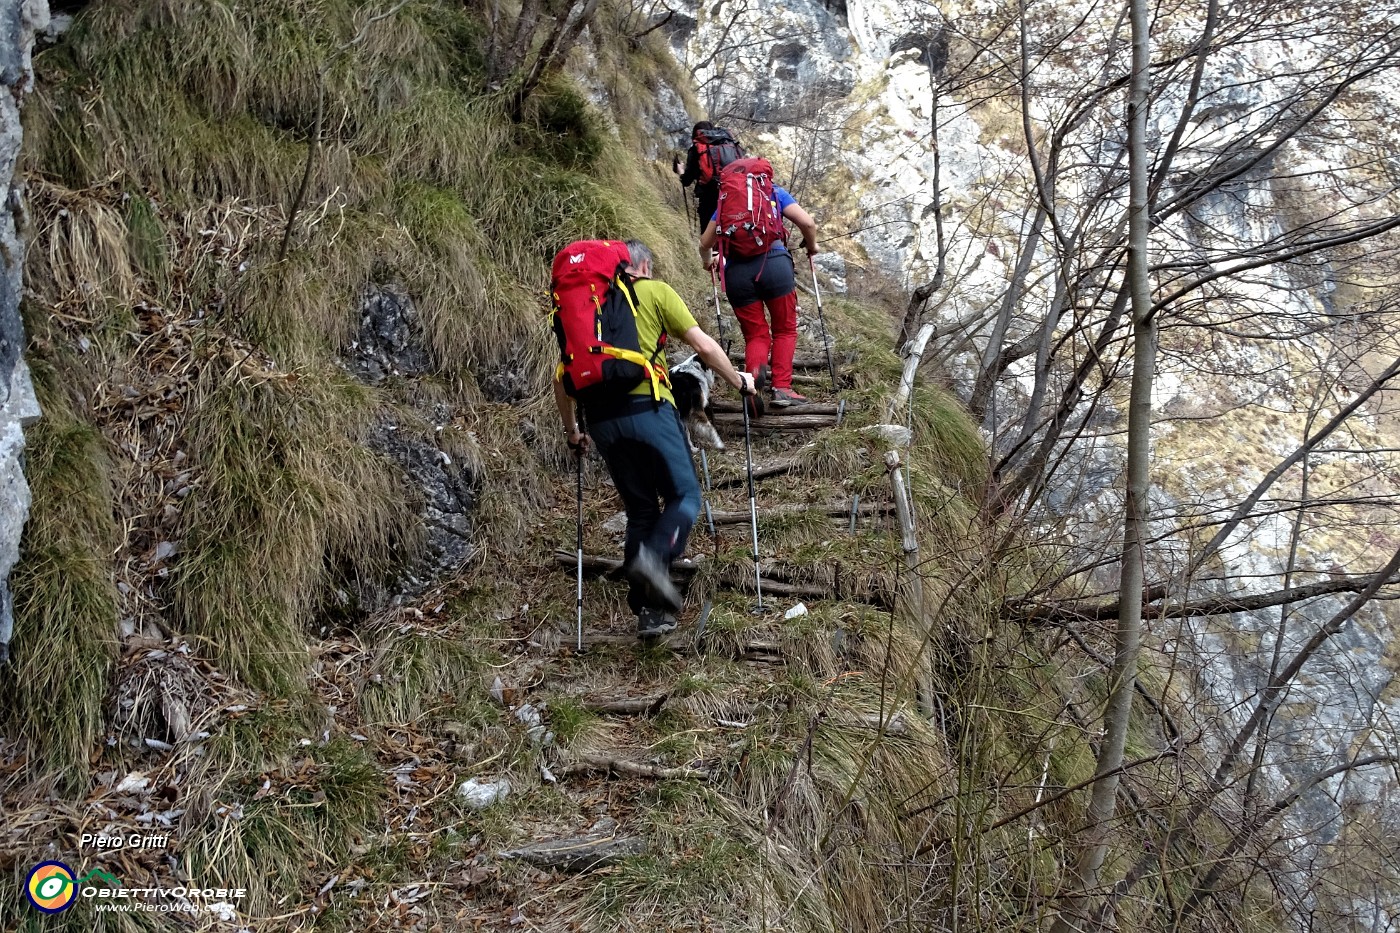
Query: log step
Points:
[767, 424]
[742, 580]
[606, 763]
[741, 516]
[810, 408]
[801, 361]
[679, 568]
[579, 853]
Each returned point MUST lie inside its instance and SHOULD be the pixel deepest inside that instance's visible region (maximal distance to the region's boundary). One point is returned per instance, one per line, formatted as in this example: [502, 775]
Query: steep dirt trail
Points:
[639, 748]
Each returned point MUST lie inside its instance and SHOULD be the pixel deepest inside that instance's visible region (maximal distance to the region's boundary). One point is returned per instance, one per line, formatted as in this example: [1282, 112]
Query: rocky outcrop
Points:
[449, 492]
[390, 342]
[19, 21]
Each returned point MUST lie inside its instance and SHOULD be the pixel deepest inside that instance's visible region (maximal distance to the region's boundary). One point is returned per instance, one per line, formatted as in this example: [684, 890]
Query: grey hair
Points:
[640, 253]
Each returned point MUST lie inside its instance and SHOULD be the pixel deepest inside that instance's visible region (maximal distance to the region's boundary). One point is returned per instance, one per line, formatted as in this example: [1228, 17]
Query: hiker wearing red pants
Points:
[763, 280]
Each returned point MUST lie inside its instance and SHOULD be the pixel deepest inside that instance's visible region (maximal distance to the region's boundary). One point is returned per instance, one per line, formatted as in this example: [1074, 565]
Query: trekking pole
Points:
[578, 471]
[821, 319]
[753, 504]
[719, 318]
[709, 518]
[685, 203]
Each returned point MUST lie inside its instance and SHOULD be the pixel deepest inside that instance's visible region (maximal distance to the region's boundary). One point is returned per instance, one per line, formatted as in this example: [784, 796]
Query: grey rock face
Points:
[449, 496]
[390, 341]
[833, 267]
[19, 21]
[776, 63]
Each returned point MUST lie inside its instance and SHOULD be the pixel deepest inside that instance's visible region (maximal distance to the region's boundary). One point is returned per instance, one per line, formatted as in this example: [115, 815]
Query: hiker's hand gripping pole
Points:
[821, 319]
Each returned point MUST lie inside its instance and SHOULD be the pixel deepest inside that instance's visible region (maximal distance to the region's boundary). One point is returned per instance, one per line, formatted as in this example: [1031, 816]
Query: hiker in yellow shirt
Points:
[644, 446]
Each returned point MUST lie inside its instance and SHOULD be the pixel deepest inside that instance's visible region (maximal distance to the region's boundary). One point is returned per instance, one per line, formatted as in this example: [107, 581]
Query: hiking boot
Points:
[650, 572]
[652, 623]
[782, 398]
[762, 382]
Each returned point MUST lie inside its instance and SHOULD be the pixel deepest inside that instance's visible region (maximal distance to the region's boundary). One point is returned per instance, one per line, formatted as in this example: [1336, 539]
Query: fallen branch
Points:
[610, 764]
[626, 706]
[1208, 606]
[578, 853]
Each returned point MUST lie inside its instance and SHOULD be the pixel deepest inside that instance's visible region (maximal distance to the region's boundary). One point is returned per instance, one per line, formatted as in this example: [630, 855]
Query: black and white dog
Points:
[691, 382]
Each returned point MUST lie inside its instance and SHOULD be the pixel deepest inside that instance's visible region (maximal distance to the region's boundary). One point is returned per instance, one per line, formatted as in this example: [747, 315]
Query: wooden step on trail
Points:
[626, 705]
[809, 408]
[613, 763]
[689, 639]
[741, 516]
[804, 361]
[768, 424]
[579, 853]
[775, 581]
[751, 647]
[760, 471]
[613, 565]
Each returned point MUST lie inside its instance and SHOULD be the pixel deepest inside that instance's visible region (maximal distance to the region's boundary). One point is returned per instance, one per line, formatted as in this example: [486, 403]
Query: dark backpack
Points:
[747, 220]
[594, 318]
[715, 149]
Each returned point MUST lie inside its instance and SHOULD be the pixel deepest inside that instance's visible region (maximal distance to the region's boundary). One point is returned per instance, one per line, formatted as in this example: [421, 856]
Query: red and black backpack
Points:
[715, 148]
[747, 220]
[594, 317]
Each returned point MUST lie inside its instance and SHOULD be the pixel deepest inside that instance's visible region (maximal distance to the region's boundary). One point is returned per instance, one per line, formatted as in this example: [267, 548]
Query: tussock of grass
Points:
[65, 601]
[948, 440]
[284, 485]
[417, 675]
[88, 261]
[313, 809]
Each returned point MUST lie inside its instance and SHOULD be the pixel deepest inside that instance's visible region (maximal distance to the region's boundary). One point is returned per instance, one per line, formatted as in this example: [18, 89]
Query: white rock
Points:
[481, 794]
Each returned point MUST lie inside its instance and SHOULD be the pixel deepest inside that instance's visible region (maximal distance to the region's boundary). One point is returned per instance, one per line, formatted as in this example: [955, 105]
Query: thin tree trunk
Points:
[1122, 677]
[923, 292]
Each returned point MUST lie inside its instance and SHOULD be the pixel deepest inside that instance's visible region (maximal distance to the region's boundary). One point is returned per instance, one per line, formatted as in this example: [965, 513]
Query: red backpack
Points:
[594, 317]
[715, 149]
[747, 220]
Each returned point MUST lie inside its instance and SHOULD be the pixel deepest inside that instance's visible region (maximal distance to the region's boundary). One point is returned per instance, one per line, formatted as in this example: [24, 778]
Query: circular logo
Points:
[50, 887]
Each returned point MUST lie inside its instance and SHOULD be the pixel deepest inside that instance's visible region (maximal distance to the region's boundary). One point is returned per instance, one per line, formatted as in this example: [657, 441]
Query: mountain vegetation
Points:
[291, 590]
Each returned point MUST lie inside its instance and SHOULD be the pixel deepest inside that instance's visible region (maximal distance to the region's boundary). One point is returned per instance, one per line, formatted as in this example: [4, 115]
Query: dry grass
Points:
[65, 603]
[208, 410]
